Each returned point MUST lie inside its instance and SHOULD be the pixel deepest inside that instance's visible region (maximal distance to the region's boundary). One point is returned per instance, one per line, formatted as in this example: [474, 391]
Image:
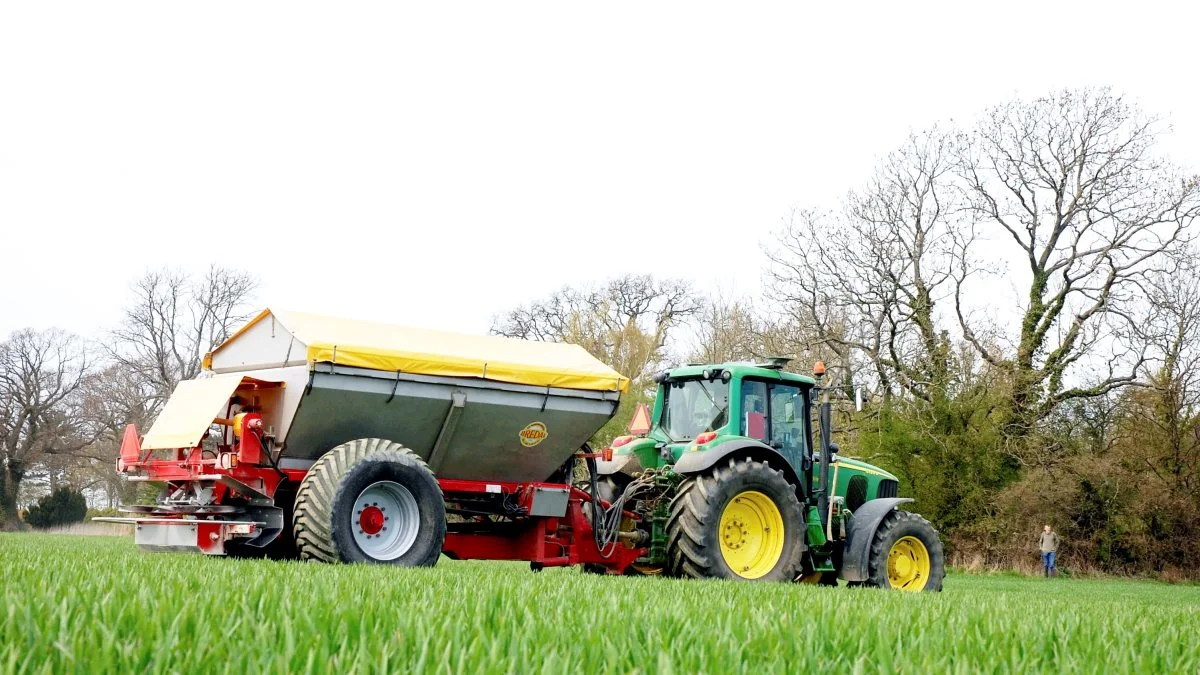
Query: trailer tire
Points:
[697, 543]
[329, 522]
[920, 561]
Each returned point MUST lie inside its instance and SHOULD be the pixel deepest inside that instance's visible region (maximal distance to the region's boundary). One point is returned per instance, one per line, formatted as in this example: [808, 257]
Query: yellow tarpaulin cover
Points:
[423, 351]
[190, 412]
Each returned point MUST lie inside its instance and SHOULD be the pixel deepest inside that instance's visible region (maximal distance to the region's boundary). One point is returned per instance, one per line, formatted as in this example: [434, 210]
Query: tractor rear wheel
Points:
[739, 520]
[906, 554]
[371, 501]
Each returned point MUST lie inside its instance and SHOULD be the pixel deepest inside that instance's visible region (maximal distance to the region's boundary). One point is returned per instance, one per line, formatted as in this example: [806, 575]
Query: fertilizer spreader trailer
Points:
[345, 441]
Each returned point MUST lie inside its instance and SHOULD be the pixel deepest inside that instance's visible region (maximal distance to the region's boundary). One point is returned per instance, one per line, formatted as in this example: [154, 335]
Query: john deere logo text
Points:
[532, 434]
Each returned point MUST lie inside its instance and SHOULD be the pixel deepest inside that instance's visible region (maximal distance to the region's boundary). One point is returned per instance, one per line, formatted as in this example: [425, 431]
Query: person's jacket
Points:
[1049, 542]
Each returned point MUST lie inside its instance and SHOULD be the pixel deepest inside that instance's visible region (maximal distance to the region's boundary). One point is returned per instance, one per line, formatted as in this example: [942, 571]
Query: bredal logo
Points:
[532, 434]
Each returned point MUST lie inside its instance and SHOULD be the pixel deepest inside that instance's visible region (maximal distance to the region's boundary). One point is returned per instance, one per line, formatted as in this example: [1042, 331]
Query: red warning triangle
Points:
[131, 445]
[640, 424]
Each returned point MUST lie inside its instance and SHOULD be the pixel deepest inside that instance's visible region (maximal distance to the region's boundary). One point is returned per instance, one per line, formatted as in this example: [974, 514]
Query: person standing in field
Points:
[1049, 546]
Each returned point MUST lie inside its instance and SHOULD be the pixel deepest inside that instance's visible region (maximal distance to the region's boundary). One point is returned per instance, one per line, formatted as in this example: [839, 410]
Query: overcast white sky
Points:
[435, 166]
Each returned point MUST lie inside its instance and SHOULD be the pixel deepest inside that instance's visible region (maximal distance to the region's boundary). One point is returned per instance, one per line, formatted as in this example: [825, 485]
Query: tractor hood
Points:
[863, 467]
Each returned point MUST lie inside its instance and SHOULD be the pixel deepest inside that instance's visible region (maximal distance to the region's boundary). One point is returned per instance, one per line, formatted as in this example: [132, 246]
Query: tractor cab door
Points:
[775, 413]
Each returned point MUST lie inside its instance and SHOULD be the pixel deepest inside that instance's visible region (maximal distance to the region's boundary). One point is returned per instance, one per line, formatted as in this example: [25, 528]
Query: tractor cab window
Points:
[787, 421]
[754, 410]
[694, 407]
[773, 413]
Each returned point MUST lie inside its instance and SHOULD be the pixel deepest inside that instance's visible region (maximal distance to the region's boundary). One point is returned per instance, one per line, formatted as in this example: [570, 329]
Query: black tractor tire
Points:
[324, 515]
[693, 529]
[898, 525]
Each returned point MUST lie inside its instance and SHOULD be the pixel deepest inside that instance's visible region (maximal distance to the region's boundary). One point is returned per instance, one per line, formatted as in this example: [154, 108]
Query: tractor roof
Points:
[743, 369]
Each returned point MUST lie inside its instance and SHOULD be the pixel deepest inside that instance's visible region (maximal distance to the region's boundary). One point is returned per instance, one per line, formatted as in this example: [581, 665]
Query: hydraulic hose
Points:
[270, 457]
[597, 518]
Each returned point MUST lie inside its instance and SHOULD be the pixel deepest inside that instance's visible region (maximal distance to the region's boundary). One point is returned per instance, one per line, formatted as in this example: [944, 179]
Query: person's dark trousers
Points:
[1048, 563]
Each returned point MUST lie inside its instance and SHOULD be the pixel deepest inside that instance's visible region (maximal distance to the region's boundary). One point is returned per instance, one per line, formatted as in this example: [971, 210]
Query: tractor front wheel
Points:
[739, 520]
[372, 501]
[906, 554]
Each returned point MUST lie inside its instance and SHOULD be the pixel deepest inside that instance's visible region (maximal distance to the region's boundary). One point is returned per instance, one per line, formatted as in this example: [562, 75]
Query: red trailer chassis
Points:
[245, 474]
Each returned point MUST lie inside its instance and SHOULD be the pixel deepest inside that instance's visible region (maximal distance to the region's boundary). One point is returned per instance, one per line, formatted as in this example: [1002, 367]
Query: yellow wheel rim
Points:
[908, 565]
[751, 535]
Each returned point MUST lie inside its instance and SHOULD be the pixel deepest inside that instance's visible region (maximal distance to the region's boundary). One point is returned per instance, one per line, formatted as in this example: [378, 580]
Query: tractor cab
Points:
[756, 408]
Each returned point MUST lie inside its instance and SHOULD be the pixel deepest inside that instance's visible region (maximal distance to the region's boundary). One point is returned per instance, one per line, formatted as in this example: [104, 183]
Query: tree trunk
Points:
[10, 482]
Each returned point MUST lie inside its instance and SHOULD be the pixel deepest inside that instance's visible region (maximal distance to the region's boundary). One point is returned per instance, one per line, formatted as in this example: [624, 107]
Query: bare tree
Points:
[109, 399]
[173, 320]
[626, 323]
[1073, 183]
[1168, 411]
[726, 330]
[40, 372]
[869, 277]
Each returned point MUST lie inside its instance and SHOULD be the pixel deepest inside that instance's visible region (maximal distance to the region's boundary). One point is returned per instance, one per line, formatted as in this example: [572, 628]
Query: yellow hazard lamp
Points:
[819, 369]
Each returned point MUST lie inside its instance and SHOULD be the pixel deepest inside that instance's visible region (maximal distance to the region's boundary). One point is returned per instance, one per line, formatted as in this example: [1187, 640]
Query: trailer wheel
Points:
[906, 554]
[740, 520]
[372, 501]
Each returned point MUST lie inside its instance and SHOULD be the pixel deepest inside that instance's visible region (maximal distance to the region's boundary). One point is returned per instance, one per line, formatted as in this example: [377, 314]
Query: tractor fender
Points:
[863, 524]
[694, 462]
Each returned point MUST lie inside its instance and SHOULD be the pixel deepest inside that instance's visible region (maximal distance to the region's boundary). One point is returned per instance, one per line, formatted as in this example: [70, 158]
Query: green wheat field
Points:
[98, 605]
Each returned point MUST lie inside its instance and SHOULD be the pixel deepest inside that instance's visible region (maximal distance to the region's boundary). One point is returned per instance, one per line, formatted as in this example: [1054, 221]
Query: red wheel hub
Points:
[371, 520]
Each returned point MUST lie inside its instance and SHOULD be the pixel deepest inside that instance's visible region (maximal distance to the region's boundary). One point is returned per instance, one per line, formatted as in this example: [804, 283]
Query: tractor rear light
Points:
[621, 440]
[705, 437]
[608, 454]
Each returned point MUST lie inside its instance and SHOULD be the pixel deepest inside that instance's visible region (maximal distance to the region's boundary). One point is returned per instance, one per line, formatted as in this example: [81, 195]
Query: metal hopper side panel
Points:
[466, 428]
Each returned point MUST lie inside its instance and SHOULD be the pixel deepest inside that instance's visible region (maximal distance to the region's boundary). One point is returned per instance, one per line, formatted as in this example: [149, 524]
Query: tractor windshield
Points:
[694, 406]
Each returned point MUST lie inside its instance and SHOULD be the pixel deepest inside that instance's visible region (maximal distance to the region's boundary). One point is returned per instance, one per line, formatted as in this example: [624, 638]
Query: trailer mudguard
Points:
[694, 462]
[863, 524]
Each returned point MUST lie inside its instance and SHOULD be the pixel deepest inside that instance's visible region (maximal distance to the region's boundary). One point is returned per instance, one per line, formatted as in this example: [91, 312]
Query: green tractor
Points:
[725, 482]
